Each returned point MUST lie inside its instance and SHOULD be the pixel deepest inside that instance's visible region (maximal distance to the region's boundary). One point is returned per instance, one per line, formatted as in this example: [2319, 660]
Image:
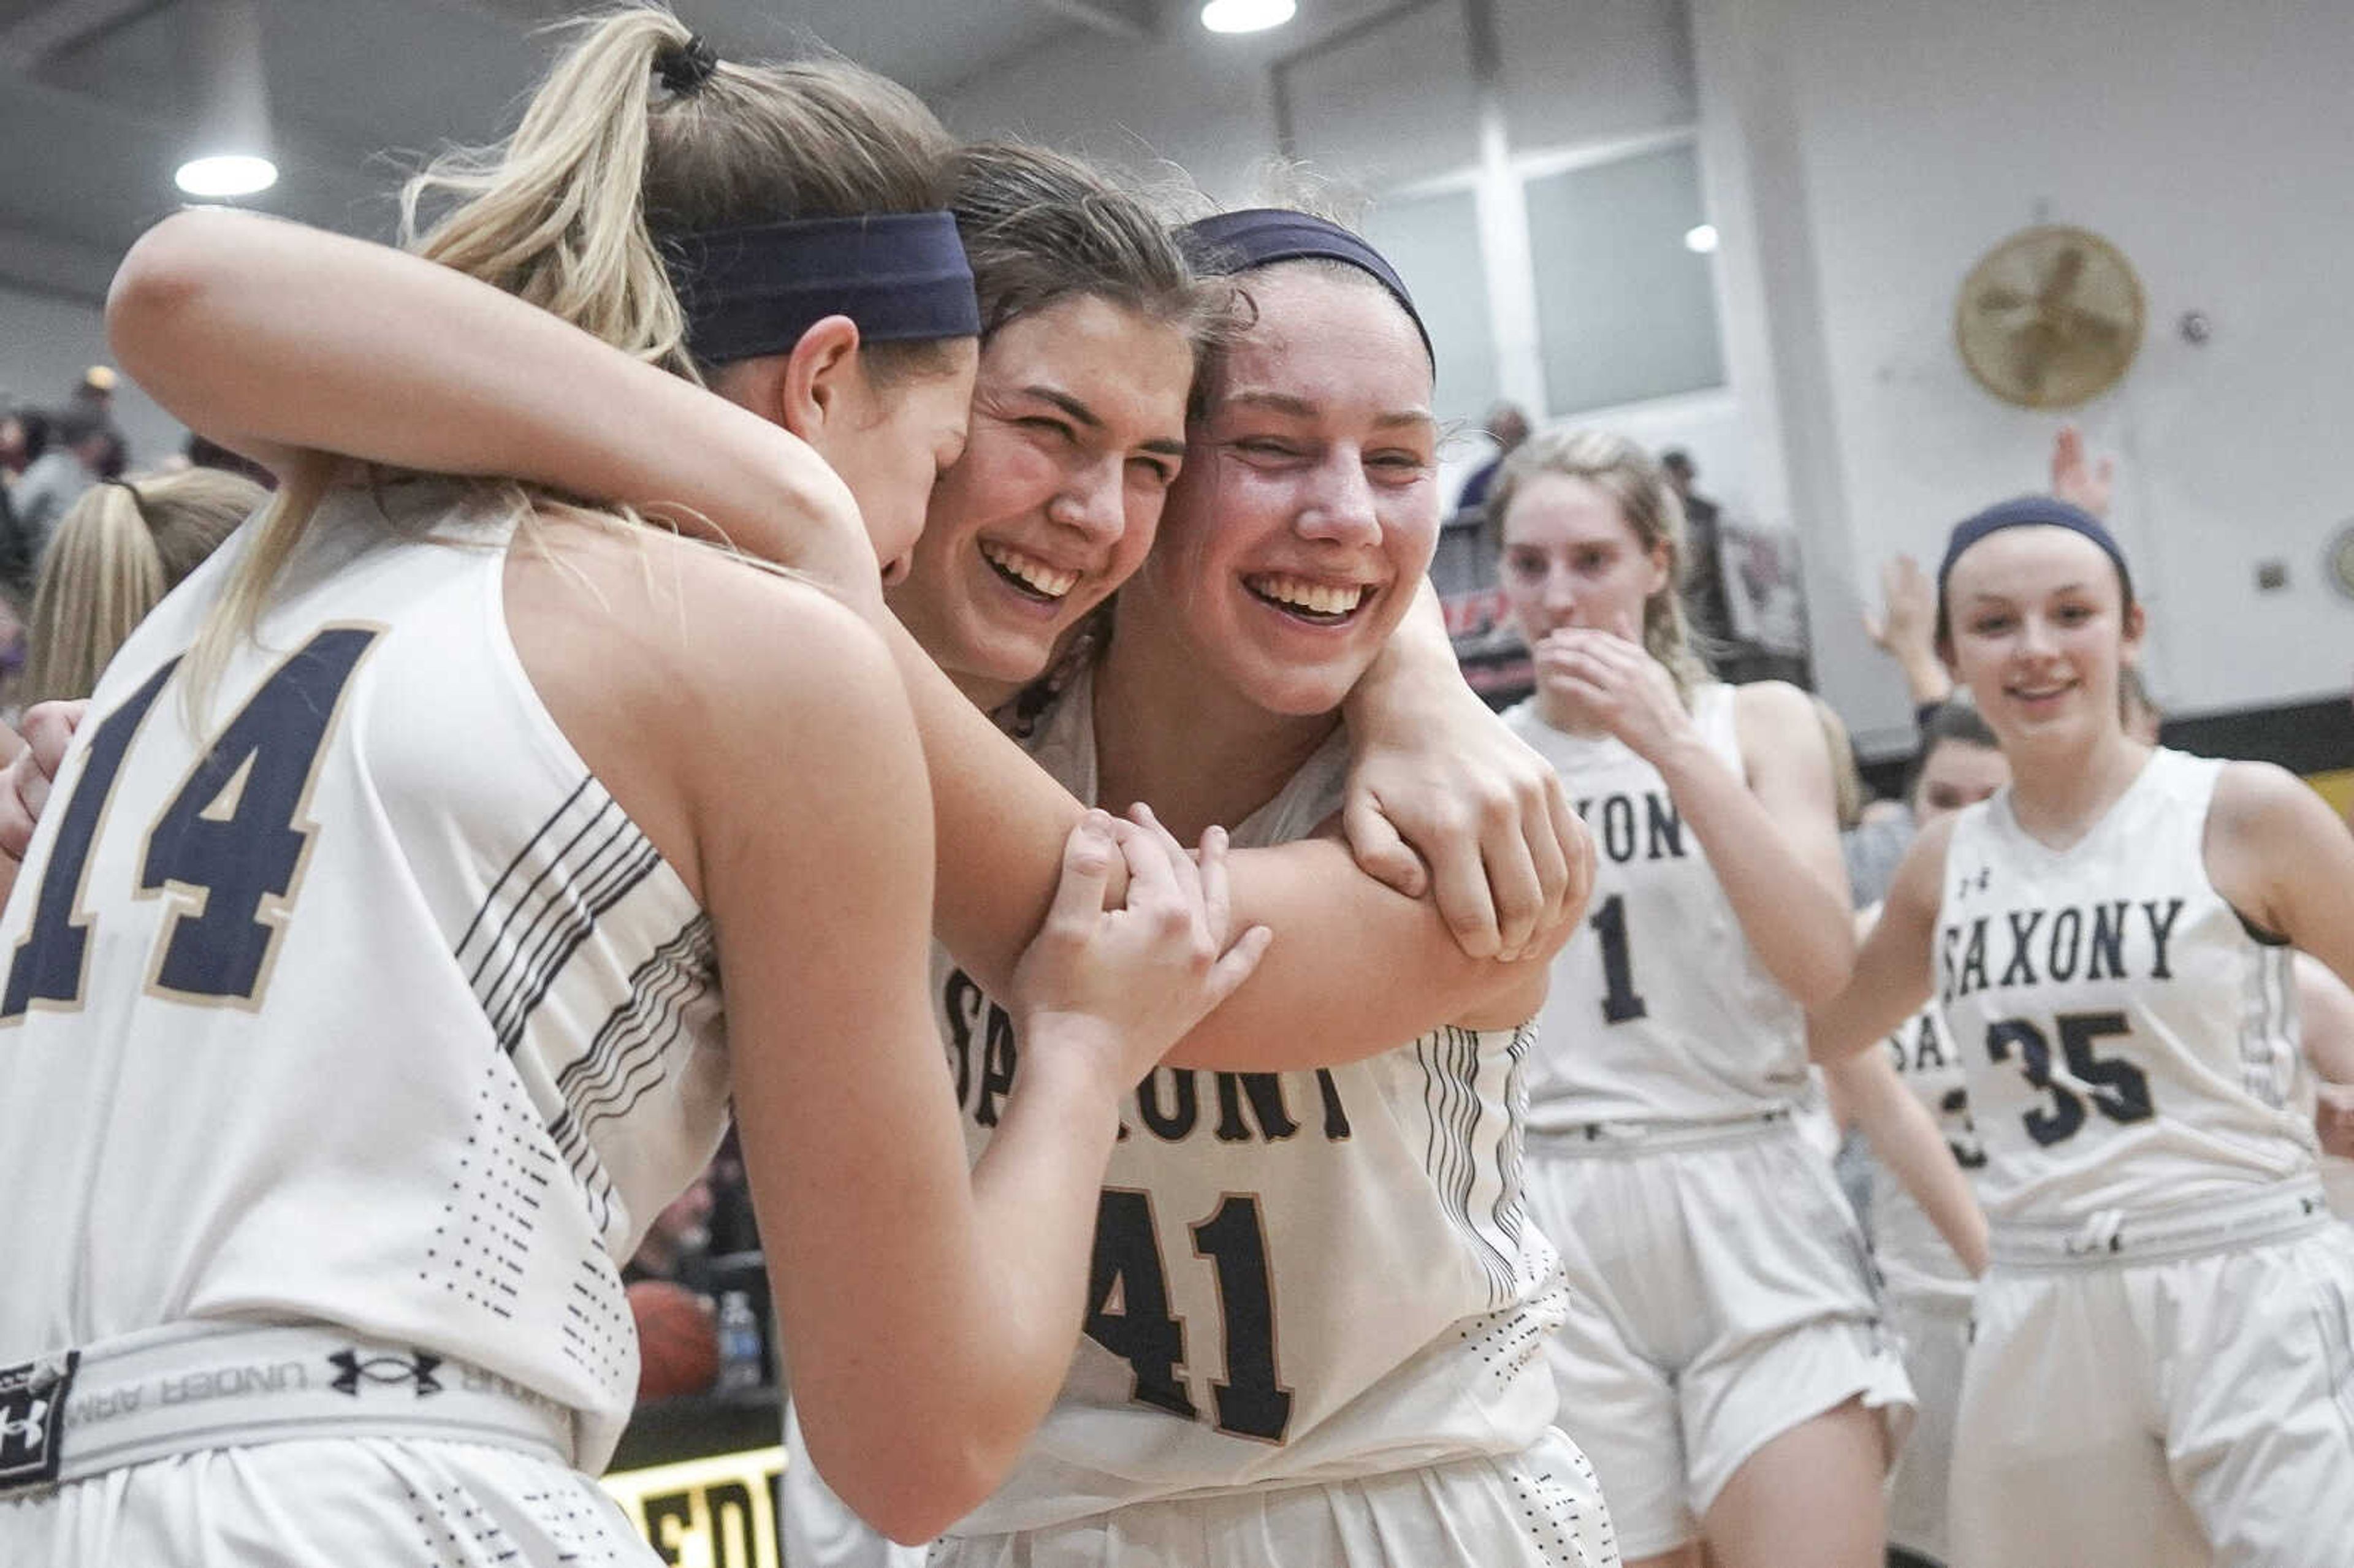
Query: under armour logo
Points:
[1978, 882]
[30, 1428]
[352, 1369]
[32, 1416]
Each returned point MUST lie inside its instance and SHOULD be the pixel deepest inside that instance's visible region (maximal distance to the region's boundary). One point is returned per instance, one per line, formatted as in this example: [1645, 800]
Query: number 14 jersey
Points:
[2129, 1040]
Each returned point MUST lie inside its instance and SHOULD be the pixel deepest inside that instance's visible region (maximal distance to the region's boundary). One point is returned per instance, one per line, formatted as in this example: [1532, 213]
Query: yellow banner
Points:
[719, 1512]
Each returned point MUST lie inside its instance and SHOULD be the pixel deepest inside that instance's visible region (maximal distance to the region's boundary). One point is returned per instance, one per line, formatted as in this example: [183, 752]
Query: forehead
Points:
[1564, 509]
[2031, 561]
[1086, 337]
[1337, 339]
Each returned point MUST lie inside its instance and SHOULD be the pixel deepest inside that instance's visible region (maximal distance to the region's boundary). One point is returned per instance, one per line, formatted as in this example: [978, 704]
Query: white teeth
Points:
[1052, 582]
[1321, 599]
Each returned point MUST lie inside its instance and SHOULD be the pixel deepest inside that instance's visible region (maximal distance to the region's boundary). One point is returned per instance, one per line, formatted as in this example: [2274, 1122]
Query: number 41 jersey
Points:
[361, 1003]
[2129, 1041]
[1297, 1276]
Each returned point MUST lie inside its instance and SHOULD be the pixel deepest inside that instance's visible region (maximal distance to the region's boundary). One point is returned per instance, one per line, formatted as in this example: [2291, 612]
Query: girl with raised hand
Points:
[2156, 1368]
[1725, 1359]
[363, 997]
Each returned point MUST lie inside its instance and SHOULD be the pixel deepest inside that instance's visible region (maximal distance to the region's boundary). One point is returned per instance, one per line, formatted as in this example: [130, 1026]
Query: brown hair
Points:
[1640, 486]
[1040, 226]
[569, 212]
[116, 553]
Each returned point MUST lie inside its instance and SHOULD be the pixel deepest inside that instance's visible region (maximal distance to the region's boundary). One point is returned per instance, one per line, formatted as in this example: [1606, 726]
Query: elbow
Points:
[160, 277]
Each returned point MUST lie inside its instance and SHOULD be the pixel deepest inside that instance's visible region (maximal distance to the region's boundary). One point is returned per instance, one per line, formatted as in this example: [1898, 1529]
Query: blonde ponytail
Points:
[119, 550]
[568, 214]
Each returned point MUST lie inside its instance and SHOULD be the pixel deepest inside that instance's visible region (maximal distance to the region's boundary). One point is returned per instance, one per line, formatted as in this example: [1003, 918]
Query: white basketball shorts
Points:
[2169, 1392]
[1719, 1295]
[1936, 1332]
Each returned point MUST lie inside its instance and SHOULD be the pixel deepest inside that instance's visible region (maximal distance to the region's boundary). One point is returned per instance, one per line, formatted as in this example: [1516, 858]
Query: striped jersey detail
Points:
[1450, 1062]
[584, 860]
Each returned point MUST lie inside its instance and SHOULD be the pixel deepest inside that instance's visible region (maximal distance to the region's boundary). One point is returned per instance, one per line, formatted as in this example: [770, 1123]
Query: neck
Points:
[1194, 749]
[2058, 795]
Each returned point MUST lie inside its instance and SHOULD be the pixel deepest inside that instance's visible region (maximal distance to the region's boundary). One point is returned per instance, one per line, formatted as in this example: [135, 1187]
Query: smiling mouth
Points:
[2040, 695]
[1319, 604]
[1028, 576]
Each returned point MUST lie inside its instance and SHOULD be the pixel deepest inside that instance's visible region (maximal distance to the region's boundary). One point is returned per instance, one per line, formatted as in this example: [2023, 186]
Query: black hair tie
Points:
[687, 66]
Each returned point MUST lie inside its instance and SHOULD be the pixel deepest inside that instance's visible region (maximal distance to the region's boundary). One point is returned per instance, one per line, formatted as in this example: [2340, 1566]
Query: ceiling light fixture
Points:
[227, 175]
[1701, 238]
[1247, 16]
[233, 123]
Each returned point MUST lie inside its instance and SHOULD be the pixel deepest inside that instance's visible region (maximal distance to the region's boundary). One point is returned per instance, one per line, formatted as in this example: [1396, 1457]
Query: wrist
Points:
[1073, 1059]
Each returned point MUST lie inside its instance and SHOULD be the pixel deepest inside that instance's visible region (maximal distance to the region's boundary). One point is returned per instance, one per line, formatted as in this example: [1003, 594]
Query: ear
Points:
[1663, 579]
[2134, 623]
[820, 375]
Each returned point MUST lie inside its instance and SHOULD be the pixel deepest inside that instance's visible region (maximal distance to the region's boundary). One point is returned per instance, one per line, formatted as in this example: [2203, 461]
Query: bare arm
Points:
[273, 339]
[1436, 777]
[1905, 1140]
[1891, 978]
[930, 1313]
[2284, 861]
[1395, 971]
[2324, 1012]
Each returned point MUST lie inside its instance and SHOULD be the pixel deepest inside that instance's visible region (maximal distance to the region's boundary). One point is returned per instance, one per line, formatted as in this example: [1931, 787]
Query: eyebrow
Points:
[1301, 409]
[1163, 446]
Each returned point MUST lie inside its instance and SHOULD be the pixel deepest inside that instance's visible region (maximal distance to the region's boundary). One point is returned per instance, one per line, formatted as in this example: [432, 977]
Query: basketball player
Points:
[1724, 1360]
[1929, 1276]
[364, 992]
[2158, 1371]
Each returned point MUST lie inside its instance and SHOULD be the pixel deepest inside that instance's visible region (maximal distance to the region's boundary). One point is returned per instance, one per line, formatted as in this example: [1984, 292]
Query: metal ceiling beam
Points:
[1131, 19]
[65, 26]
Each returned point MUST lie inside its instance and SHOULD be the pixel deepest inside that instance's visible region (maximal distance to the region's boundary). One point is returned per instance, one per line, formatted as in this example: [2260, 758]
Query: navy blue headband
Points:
[2028, 512]
[901, 276]
[1235, 242]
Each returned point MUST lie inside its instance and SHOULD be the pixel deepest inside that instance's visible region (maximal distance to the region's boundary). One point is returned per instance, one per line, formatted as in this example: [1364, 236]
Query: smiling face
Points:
[2037, 629]
[1309, 507]
[1571, 558]
[1078, 428]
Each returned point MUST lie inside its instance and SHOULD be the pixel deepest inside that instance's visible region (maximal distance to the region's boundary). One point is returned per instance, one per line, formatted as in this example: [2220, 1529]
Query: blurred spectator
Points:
[1507, 427]
[94, 394]
[80, 445]
[24, 436]
[117, 552]
[677, 1246]
[1706, 609]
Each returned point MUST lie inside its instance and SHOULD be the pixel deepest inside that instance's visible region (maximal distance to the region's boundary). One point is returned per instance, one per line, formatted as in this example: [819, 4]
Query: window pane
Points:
[1624, 310]
[1433, 242]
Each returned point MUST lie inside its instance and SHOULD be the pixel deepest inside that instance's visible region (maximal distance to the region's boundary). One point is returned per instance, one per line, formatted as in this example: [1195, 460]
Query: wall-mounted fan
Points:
[2049, 318]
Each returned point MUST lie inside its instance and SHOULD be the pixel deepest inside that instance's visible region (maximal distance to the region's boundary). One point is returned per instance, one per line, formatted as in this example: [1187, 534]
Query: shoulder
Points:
[2254, 796]
[1779, 730]
[1774, 704]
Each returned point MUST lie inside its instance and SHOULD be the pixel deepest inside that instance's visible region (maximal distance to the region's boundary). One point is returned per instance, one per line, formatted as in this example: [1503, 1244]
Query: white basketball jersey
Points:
[1298, 1276]
[361, 1005]
[1912, 1254]
[1660, 1009]
[2129, 1043]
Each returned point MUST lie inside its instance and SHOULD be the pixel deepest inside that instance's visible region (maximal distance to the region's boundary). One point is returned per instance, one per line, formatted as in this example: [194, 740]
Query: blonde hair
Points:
[1639, 485]
[1846, 779]
[570, 213]
[116, 553]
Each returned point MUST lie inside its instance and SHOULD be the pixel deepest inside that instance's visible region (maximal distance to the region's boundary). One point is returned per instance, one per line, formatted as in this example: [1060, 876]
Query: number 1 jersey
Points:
[2129, 1041]
[1660, 1010]
[1297, 1276]
[358, 1002]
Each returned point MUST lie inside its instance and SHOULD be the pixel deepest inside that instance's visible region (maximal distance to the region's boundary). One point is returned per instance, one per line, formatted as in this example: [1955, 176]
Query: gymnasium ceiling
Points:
[98, 97]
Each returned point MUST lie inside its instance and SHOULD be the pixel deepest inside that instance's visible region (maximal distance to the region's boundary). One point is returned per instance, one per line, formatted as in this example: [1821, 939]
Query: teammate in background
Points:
[1726, 1360]
[1929, 1255]
[116, 553]
[2157, 1372]
[496, 873]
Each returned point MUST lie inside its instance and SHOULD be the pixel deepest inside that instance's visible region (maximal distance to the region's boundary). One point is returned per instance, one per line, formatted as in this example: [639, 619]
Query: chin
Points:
[1299, 693]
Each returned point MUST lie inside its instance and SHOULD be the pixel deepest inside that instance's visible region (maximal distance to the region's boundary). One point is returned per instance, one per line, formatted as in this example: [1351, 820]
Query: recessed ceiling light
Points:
[1246, 16]
[228, 175]
[1701, 237]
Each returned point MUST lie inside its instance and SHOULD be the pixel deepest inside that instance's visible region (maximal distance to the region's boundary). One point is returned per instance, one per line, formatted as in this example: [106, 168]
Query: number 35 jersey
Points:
[360, 1003]
[2129, 1041]
[1296, 1277]
[1660, 1010]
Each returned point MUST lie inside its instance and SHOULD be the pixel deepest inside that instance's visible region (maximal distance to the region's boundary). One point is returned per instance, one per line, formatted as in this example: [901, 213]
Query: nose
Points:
[1340, 504]
[2035, 638]
[1092, 502]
